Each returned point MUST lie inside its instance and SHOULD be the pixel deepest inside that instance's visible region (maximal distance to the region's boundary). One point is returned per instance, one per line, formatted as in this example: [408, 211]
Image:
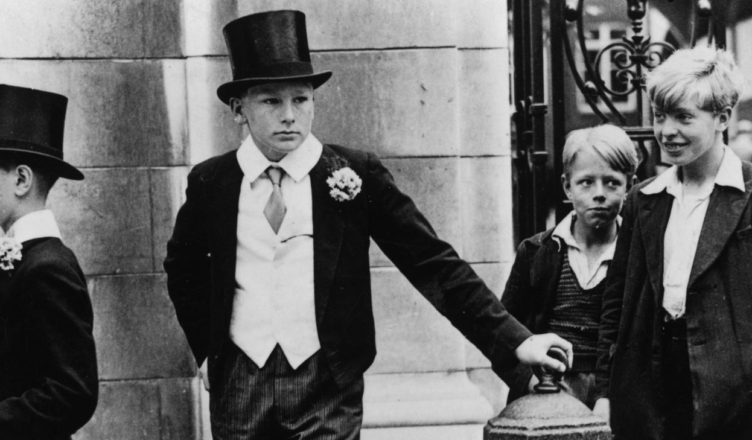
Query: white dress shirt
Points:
[684, 227]
[587, 276]
[274, 294]
[37, 224]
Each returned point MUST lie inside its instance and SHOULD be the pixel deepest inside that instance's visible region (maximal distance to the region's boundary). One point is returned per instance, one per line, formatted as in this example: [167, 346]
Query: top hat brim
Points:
[236, 88]
[60, 167]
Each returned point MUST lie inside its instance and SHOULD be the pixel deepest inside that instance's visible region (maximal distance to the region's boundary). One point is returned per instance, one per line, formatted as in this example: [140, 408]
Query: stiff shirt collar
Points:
[37, 224]
[563, 232]
[297, 164]
[729, 174]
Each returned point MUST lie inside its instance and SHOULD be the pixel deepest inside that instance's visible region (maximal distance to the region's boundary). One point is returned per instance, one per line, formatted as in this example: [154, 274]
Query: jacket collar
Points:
[725, 209]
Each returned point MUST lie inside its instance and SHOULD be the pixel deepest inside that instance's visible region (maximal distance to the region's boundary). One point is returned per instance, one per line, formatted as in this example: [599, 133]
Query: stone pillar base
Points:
[423, 406]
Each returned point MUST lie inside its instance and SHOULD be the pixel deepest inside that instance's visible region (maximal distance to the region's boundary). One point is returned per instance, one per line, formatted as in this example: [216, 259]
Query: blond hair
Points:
[709, 77]
[608, 141]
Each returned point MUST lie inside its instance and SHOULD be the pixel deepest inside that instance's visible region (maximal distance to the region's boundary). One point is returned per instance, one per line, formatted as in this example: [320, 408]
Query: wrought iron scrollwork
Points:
[633, 55]
[548, 104]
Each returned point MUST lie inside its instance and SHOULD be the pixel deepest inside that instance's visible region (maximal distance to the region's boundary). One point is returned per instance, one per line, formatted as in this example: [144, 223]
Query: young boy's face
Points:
[595, 189]
[279, 116]
[688, 132]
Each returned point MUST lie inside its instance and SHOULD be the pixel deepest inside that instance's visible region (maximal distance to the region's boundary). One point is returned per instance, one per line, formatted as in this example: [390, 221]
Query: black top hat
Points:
[268, 47]
[32, 123]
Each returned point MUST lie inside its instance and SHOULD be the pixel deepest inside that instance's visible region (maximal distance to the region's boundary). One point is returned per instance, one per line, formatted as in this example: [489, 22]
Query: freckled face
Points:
[279, 116]
[595, 189]
[688, 132]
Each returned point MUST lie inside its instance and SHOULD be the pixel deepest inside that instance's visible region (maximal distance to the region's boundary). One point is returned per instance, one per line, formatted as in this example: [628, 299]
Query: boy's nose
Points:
[669, 129]
[288, 114]
[599, 191]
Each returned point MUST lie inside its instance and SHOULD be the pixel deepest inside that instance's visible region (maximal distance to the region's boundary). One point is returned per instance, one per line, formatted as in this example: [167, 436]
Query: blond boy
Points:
[675, 349]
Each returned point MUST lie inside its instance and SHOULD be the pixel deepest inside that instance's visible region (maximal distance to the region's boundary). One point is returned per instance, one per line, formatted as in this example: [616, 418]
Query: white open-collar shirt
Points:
[587, 276]
[684, 227]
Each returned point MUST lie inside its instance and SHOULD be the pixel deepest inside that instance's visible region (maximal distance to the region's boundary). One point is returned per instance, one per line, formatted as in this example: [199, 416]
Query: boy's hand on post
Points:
[533, 351]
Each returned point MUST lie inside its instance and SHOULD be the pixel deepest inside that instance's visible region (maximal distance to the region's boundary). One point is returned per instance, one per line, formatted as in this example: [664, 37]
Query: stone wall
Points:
[423, 83]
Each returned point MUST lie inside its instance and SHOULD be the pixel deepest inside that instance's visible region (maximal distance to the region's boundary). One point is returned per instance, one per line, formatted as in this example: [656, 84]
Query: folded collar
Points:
[297, 164]
[563, 232]
[729, 174]
[37, 224]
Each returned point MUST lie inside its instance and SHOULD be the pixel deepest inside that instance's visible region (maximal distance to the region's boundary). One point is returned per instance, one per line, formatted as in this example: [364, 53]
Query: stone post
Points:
[547, 414]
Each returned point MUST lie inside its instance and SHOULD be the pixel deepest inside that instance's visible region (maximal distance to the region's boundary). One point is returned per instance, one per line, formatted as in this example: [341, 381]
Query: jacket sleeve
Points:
[613, 298]
[435, 269]
[188, 269]
[518, 302]
[57, 334]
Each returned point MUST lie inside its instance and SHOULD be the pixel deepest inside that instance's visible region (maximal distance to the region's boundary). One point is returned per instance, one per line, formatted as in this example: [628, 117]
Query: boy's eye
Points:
[658, 116]
[586, 182]
[271, 101]
[301, 99]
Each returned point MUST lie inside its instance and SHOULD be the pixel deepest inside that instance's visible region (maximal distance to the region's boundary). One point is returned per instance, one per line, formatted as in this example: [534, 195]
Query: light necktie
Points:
[275, 208]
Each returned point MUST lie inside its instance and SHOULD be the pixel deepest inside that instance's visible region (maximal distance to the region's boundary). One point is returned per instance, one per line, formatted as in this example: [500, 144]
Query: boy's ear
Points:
[236, 105]
[24, 180]
[724, 118]
[565, 184]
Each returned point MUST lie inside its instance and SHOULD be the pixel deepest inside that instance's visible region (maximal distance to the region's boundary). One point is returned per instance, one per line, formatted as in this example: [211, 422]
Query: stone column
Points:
[123, 68]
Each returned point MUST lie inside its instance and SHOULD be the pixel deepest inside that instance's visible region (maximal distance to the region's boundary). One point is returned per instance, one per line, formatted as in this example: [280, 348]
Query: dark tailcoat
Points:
[200, 264]
[529, 296]
[48, 365]
[719, 317]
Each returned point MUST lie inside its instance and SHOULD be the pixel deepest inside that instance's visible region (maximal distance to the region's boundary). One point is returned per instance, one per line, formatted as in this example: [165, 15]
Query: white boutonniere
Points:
[345, 184]
[10, 251]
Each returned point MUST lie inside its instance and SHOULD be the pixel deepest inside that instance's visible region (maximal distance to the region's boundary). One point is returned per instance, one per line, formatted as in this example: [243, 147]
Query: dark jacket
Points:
[719, 317]
[200, 264]
[48, 365]
[528, 296]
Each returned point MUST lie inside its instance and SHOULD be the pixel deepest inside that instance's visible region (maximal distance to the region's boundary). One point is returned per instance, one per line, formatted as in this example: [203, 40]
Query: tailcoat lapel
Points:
[327, 232]
[223, 195]
[724, 212]
[655, 210]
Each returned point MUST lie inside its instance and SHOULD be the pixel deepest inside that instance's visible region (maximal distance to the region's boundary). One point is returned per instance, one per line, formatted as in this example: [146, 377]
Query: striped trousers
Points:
[277, 402]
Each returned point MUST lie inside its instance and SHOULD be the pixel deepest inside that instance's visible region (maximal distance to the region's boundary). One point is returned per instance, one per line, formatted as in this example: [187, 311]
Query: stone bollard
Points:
[547, 414]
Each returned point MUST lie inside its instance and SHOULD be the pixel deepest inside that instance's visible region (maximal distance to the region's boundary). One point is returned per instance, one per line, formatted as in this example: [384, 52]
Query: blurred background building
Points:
[429, 85]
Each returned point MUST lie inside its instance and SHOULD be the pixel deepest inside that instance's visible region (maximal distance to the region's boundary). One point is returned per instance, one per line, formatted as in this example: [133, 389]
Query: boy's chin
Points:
[600, 223]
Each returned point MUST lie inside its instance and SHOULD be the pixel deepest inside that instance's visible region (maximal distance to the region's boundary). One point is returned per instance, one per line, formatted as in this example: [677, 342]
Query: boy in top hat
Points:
[675, 348]
[268, 264]
[48, 365]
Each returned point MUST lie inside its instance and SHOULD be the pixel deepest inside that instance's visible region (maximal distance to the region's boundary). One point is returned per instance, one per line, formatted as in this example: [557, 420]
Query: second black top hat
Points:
[32, 123]
[268, 47]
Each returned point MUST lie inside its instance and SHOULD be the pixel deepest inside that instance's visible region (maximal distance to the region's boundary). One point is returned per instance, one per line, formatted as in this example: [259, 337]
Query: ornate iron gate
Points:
[555, 65]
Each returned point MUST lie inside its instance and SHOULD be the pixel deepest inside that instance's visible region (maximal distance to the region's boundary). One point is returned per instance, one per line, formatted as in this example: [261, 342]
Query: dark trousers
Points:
[277, 402]
[677, 382]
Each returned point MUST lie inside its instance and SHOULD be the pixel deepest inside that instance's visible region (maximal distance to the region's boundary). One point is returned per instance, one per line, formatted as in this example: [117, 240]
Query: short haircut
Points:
[44, 174]
[608, 141]
[707, 76]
